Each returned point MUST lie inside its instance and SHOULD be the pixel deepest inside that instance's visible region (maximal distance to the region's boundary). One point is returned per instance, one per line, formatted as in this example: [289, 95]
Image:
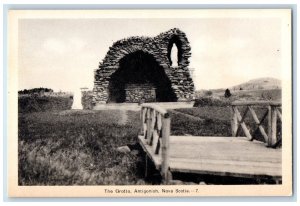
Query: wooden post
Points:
[269, 126]
[278, 113]
[274, 127]
[142, 121]
[165, 149]
[153, 120]
[148, 125]
[234, 122]
[146, 165]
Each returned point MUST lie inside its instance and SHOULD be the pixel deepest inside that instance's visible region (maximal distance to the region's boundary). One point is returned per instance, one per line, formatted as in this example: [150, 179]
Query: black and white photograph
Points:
[150, 102]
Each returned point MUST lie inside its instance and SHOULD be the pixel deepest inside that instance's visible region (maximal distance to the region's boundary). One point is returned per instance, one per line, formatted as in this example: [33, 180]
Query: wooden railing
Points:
[273, 111]
[156, 130]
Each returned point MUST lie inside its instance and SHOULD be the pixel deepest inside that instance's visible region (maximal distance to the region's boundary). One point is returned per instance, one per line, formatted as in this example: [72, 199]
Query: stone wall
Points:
[159, 47]
[140, 93]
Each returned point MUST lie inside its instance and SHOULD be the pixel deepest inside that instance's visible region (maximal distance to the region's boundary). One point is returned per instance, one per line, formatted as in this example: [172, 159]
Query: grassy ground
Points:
[216, 120]
[205, 125]
[79, 147]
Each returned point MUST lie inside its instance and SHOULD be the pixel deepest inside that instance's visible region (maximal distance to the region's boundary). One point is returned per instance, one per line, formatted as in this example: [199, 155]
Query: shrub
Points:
[35, 90]
[271, 95]
[208, 93]
[43, 103]
[227, 93]
[206, 101]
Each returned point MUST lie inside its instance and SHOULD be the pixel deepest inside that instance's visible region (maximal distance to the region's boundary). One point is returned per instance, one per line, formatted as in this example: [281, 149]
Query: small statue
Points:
[77, 100]
[174, 56]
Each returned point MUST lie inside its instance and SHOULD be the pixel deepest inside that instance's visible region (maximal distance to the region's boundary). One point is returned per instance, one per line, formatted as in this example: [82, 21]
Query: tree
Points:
[35, 90]
[227, 93]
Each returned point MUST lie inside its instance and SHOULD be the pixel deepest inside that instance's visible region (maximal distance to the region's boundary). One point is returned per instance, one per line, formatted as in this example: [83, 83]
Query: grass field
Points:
[79, 147]
[216, 121]
[204, 125]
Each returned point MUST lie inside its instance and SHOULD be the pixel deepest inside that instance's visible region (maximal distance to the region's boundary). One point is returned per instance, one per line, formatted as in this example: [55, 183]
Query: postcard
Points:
[149, 103]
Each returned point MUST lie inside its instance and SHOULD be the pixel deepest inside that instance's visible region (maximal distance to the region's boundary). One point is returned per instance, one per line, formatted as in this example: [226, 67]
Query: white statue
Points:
[77, 100]
[174, 56]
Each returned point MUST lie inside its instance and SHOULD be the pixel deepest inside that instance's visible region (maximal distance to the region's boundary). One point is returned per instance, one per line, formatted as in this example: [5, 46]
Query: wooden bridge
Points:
[225, 156]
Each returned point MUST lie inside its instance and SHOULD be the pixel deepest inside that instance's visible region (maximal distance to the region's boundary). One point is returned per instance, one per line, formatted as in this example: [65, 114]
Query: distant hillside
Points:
[258, 84]
[254, 90]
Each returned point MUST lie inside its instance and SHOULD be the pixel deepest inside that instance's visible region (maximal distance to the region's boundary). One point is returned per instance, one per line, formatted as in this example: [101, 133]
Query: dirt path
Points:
[123, 117]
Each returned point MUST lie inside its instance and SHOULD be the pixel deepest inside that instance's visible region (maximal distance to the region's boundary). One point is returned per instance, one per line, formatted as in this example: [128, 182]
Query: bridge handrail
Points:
[156, 131]
[272, 113]
[157, 108]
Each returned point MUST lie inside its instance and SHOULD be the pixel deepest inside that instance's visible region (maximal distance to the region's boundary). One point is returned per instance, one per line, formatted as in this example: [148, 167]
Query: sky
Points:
[62, 54]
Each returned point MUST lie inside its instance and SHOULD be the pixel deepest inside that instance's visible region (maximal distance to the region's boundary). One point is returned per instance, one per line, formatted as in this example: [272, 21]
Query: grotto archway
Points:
[176, 68]
[140, 78]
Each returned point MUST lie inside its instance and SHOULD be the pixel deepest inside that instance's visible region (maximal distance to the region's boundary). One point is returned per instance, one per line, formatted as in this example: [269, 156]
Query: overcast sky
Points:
[62, 53]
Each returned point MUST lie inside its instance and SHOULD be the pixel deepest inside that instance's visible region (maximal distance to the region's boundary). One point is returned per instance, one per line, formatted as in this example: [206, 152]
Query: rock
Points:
[177, 182]
[134, 152]
[140, 182]
[123, 149]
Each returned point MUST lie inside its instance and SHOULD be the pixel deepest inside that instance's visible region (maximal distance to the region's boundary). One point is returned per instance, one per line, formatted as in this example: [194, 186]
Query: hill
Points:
[259, 84]
[254, 90]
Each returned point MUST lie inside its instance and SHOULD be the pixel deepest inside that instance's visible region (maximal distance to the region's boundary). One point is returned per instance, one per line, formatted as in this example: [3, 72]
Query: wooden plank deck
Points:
[227, 156]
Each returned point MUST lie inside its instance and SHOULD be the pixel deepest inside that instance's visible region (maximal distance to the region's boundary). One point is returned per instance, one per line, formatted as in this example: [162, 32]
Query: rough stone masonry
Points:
[144, 61]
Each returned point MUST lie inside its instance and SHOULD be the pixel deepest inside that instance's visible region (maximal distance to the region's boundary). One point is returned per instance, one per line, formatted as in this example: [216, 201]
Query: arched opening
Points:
[140, 78]
[175, 41]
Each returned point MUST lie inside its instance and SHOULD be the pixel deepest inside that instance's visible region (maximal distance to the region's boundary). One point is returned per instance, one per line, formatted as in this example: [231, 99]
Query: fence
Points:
[273, 112]
[156, 131]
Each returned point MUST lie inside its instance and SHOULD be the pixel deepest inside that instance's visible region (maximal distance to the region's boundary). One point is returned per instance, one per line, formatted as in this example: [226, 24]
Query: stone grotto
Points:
[145, 69]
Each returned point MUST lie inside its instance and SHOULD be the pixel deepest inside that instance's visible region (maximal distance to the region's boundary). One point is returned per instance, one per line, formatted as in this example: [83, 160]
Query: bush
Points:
[43, 103]
[35, 90]
[208, 93]
[206, 101]
[227, 93]
[271, 95]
